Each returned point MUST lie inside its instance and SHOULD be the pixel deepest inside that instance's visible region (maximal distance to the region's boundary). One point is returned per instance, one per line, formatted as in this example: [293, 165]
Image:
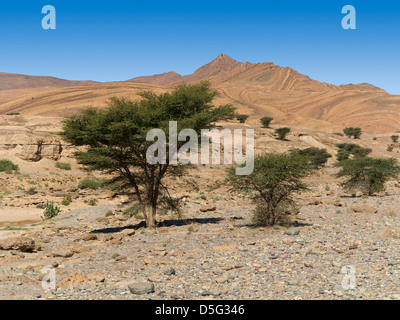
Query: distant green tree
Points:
[347, 149]
[367, 174]
[266, 121]
[317, 156]
[115, 138]
[242, 118]
[282, 133]
[395, 138]
[352, 132]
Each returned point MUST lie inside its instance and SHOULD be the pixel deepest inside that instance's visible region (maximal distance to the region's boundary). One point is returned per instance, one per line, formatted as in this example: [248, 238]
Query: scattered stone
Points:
[88, 237]
[141, 288]
[22, 244]
[62, 253]
[292, 231]
[170, 272]
[207, 208]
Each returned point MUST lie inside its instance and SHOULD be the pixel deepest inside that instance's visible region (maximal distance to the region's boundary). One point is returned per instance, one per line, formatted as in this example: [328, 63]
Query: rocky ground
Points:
[99, 250]
[213, 252]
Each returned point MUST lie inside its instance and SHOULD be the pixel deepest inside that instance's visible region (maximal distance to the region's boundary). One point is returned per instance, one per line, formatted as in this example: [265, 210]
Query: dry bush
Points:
[263, 216]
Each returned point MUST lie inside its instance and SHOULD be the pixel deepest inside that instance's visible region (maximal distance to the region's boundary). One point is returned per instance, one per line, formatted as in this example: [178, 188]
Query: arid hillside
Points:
[20, 81]
[257, 89]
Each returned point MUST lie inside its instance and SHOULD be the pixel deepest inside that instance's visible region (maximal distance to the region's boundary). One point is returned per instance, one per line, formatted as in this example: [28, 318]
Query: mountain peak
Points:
[224, 57]
[222, 63]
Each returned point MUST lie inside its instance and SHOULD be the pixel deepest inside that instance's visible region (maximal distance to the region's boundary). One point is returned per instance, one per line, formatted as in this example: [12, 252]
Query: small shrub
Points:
[242, 118]
[282, 133]
[50, 211]
[67, 200]
[266, 121]
[339, 134]
[133, 212]
[89, 184]
[31, 191]
[93, 202]
[13, 114]
[390, 148]
[7, 166]
[63, 165]
[394, 138]
[276, 177]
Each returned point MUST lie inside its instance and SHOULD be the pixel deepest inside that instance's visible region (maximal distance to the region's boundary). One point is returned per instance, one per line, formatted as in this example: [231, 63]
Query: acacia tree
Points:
[115, 137]
[242, 118]
[276, 177]
[366, 174]
[265, 121]
[282, 133]
[352, 132]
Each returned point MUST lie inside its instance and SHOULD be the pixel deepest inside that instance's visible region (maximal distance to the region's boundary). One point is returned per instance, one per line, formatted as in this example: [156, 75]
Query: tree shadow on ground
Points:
[165, 223]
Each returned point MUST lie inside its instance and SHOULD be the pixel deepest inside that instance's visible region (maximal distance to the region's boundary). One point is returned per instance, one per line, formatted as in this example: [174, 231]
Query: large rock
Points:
[23, 244]
[141, 288]
[209, 207]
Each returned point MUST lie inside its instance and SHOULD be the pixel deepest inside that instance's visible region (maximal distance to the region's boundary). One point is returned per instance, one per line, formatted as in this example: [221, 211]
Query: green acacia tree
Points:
[265, 121]
[282, 132]
[352, 132]
[276, 177]
[115, 137]
[317, 156]
[367, 174]
[242, 118]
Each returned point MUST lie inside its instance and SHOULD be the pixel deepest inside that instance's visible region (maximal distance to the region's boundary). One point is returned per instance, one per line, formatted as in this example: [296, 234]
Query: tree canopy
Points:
[115, 137]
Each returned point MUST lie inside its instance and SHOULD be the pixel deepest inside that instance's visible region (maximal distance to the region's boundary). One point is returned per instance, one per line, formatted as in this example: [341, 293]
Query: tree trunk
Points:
[150, 215]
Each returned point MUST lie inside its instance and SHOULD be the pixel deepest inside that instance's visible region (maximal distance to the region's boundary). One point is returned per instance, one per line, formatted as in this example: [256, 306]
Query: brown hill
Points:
[19, 81]
[257, 89]
[164, 79]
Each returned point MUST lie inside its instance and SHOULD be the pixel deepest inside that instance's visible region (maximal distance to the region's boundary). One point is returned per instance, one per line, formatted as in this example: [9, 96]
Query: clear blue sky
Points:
[119, 40]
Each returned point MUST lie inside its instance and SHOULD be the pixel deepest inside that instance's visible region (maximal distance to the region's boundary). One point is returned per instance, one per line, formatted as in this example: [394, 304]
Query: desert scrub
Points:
[87, 183]
[93, 202]
[282, 133]
[31, 191]
[133, 211]
[7, 166]
[275, 180]
[67, 200]
[50, 211]
[63, 165]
